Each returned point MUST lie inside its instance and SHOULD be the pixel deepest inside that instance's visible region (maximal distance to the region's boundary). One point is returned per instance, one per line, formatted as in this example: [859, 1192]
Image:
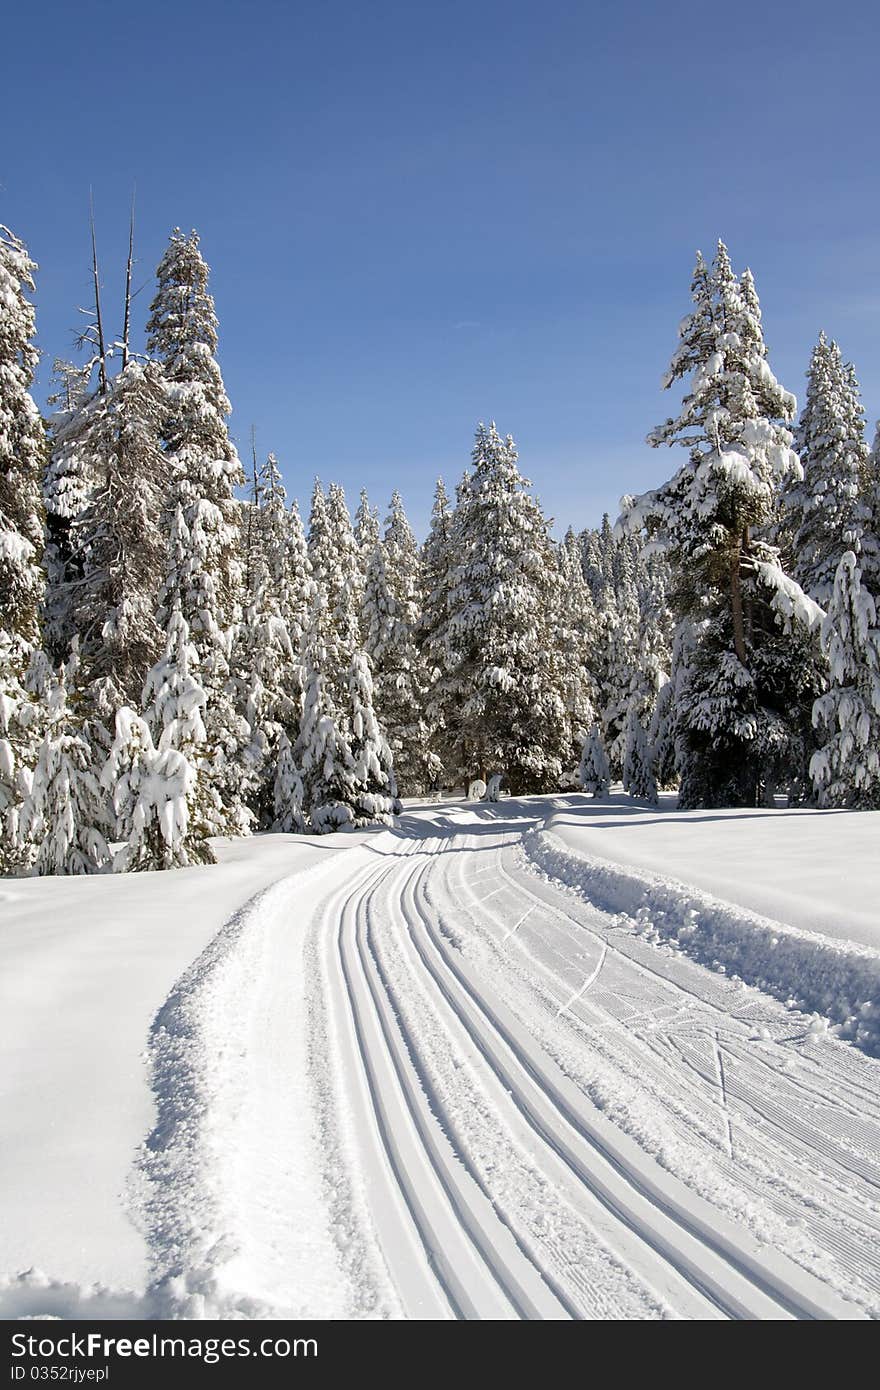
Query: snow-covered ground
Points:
[494, 1064]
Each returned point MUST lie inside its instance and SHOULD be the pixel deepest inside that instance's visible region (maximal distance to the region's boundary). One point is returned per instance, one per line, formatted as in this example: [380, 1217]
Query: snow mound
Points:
[837, 980]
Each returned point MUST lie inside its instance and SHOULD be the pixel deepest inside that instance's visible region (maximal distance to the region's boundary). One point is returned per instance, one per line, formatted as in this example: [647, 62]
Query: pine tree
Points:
[437, 562]
[501, 682]
[826, 510]
[22, 580]
[574, 638]
[846, 769]
[748, 691]
[205, 578]
[366, 533]
[332, 554]
[391, 615]
[119, 544]
[323, 752]
[375, 797]
[638, 775]
[161, 793]
[288, 792]
[65, 815]
[595, 776]
[68, 484]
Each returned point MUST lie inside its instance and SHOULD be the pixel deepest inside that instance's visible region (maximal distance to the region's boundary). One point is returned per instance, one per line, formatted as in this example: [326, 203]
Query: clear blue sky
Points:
[420, 216]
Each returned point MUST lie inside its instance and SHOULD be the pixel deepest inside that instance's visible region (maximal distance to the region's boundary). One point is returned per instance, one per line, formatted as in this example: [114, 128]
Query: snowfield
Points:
[495, 1063]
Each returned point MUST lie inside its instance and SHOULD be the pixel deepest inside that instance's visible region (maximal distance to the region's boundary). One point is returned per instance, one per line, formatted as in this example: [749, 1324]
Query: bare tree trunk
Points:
[126, 321]
[102, 354]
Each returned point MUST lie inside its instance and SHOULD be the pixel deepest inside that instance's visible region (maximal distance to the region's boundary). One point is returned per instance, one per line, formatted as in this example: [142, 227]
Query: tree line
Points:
[182, 657]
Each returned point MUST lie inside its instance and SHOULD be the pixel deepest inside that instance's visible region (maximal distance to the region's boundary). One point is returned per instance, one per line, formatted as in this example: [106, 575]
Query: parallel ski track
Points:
[818, 1155]
[404, 1003]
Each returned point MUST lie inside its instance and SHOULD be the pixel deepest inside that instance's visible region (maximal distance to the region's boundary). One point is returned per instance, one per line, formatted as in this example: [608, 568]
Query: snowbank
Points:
[837, 979]
[85, 964]
[816, 870]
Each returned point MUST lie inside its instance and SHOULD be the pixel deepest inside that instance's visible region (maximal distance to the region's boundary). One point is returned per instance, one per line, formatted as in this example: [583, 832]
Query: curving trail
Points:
[546, 1116]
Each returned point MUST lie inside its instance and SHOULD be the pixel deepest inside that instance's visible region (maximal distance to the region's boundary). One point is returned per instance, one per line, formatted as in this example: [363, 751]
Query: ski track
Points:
[433, 1082]
[560, 1119]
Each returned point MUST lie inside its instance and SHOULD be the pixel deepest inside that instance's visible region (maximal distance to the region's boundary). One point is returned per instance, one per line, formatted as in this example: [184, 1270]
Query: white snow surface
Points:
[816, 870]
[463, 1068]
[86, 965]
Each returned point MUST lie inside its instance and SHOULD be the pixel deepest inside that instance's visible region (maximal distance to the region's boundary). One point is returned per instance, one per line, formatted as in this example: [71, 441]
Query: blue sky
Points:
[420, 216]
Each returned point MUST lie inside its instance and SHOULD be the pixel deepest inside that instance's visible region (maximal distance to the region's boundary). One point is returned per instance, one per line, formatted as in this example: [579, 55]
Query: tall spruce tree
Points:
[206, 579]
[753, 673]
[392, 600]
[501, 678]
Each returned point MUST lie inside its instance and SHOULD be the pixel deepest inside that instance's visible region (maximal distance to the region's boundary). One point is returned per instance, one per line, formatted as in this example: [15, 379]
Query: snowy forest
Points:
[184, 655]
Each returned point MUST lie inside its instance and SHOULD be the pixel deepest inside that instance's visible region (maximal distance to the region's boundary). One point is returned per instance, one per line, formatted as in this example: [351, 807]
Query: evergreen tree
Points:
[323, 752]
[595, 776]
[501, 681]
[288, 793]
[437, 563]
[748, 691]
[391, 616]
[846, 769]
[826, 510]
[65, 815]
[375, 797]
[638, 775]
[574, 638]
[173, 810]
[332, 554]
[205, 577]
[22, 580]
[366, 533]
[120, 546]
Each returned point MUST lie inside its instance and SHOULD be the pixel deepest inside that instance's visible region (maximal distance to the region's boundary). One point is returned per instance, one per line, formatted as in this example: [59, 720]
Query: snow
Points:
[818, 871]
[87, 963]
[463, 1067]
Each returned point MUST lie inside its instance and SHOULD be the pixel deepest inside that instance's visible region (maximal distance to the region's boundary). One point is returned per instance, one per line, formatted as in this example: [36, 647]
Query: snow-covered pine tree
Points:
[826, 511]
[67, 484]
[846, 769]
[65, 817]
[118, 541]
[391, 614]
[595, 775]
[366, 533]
[750, 681]
[323, 751]
[206, 581]
[375, 796]
[574, 638]
[502, 681]
[432, 631]
[22, 580]
[171, 807]
[638, 774]
[288, 792]
[333, 557]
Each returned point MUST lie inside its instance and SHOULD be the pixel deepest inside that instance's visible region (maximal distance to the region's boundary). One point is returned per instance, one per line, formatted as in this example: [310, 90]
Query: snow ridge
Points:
[837, 981]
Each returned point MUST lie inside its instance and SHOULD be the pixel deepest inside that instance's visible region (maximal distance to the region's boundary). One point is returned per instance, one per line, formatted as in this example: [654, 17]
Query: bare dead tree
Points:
[102, 354]
[126, 320]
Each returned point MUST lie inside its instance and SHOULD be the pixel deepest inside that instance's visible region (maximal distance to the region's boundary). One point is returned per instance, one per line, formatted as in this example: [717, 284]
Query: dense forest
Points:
[183, 656]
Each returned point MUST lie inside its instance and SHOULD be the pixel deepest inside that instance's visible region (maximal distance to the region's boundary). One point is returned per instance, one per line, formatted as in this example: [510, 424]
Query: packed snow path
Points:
[545, 1116]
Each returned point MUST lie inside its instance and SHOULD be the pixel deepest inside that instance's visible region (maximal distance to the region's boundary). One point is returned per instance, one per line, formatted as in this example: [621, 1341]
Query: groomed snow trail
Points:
[536, 1113]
